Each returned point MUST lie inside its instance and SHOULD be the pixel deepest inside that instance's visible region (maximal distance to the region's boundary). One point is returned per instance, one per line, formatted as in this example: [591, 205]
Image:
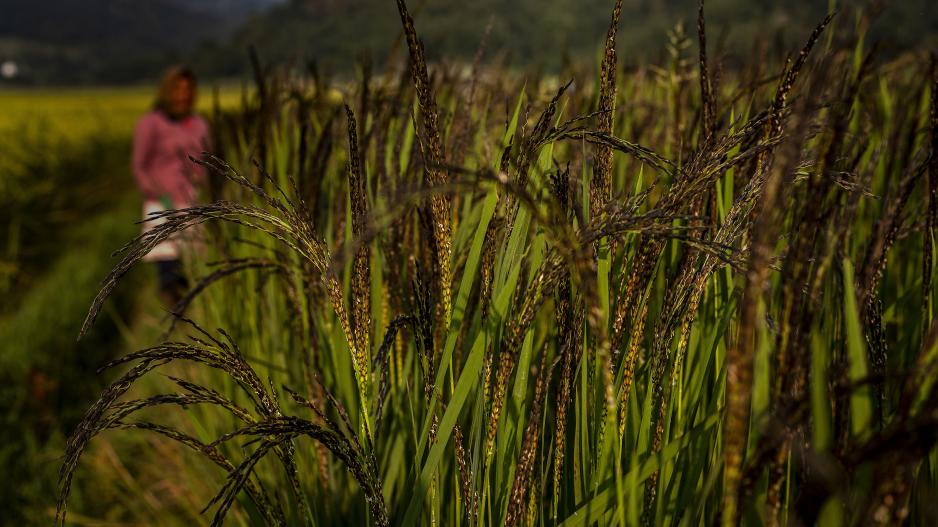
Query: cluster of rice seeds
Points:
[434, 175]
[470, 498]
[578, 312]
[361, 289]
[541, 287]
[601, 186]
[529, 446]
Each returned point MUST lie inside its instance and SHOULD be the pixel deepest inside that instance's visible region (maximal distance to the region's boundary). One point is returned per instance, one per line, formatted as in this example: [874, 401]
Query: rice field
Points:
[669, 294]
[76, 113]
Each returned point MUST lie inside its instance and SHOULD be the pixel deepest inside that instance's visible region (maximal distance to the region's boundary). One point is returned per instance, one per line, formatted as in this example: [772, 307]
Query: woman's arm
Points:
[144, 137]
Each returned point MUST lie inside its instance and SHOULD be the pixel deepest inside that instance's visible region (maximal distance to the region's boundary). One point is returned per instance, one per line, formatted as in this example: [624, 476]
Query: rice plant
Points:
[661, 295]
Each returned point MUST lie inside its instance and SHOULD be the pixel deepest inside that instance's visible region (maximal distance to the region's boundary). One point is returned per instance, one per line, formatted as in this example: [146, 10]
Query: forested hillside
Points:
[113, 41]
[545, 32]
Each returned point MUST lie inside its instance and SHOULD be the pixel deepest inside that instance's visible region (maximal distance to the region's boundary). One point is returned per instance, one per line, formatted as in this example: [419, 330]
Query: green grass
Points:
[47, 377]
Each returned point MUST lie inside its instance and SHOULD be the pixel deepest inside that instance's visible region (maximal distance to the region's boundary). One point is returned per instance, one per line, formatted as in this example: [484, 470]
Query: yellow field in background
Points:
[74, 113]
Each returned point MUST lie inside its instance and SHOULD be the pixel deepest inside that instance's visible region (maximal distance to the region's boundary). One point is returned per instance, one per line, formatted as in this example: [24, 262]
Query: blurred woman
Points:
[164, 140]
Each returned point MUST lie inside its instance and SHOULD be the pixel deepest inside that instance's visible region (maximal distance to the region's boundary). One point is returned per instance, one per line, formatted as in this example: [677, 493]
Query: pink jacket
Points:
[161, 163]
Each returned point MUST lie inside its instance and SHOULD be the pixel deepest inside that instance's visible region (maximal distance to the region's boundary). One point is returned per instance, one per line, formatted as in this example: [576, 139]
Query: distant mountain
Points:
[544, 32]
[69, 41]
[109, 41]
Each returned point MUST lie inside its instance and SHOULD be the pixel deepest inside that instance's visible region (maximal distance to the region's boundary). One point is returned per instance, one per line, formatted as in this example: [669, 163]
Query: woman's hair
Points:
[172, 75]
